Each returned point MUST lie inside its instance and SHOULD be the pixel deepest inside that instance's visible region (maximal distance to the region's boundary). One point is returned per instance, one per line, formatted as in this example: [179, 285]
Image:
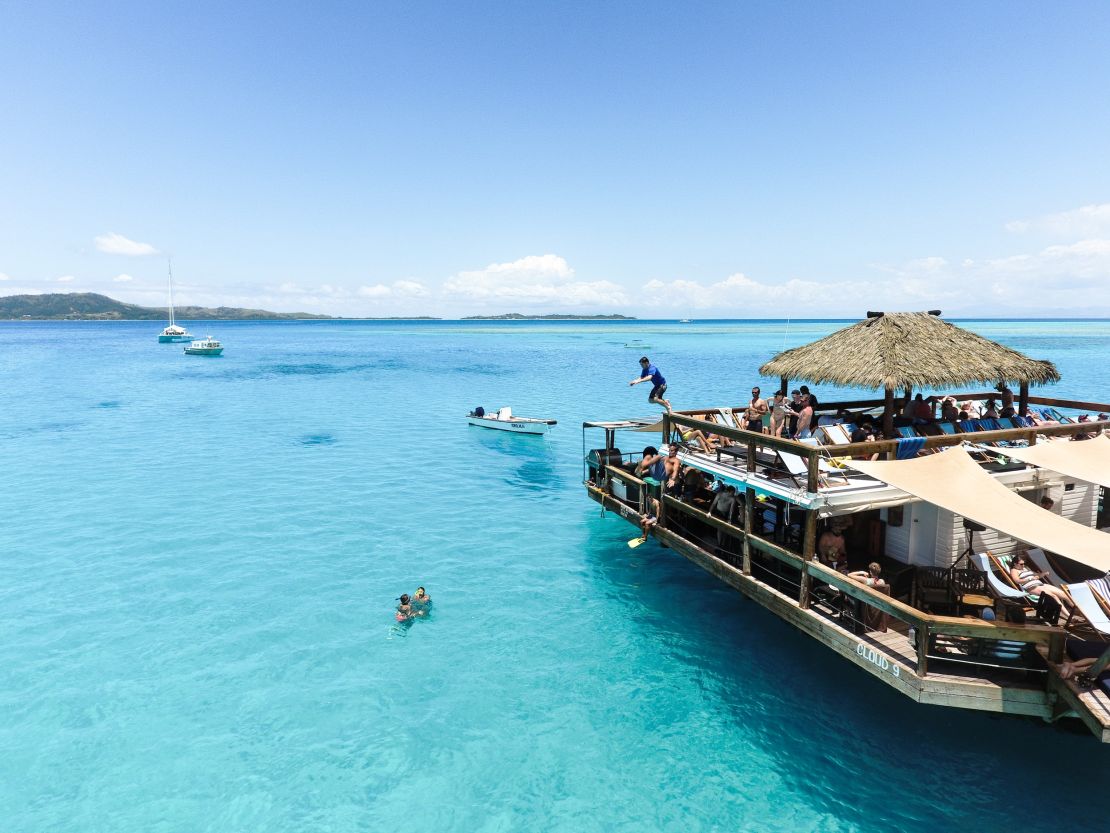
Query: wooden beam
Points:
[749, 522]
[809, 547]
[943, 440]
[888, 413]
[1071, 403]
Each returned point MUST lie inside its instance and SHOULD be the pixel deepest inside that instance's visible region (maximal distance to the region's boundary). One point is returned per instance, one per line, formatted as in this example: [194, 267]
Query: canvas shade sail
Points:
[953, 481]
[1087, 460]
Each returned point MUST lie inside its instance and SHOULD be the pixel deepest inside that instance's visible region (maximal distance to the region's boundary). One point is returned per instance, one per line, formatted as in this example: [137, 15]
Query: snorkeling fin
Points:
[635, 542]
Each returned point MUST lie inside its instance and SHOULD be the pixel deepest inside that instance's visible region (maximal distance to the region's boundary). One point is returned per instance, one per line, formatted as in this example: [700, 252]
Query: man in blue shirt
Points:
[649, 372]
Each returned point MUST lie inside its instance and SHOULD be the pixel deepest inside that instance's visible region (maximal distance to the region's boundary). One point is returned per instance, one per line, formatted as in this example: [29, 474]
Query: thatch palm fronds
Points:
[907, 350]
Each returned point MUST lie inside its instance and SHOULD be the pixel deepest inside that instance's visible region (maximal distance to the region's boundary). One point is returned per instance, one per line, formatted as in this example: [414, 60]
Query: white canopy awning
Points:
[952, 480]
[1087, 460]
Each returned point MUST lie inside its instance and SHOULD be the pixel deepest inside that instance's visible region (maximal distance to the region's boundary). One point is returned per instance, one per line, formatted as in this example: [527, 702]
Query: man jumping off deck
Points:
[649, 372]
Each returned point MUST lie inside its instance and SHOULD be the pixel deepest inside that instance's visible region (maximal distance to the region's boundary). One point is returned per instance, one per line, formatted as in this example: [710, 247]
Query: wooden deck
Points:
[892, 656]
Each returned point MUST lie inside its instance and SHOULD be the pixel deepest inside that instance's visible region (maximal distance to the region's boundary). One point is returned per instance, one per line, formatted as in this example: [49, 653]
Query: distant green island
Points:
[516, 316]
[88, 306]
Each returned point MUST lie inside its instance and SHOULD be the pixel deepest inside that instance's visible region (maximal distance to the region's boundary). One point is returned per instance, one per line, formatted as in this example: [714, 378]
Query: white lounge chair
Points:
[728, 417]
[1002, 590]
[1084, 598]
[836, 434]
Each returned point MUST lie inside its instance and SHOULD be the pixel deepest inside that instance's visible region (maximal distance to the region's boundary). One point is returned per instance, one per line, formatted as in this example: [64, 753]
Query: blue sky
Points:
[662, 160]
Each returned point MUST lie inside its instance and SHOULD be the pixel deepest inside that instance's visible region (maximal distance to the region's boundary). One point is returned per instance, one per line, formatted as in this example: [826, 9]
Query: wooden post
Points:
[809, 547]
[749, 512]
[662, 519]
[1023, 398]
[1056, 647]
[783, 382]
[749, 523]
[923, 649]
[888, 414]
[814, 471]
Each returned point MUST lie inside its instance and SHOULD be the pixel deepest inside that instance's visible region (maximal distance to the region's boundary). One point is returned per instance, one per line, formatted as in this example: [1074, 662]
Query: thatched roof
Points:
[907, 349]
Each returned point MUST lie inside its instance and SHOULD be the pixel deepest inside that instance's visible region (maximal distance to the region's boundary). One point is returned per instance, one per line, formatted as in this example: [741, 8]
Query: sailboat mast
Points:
[170, 263]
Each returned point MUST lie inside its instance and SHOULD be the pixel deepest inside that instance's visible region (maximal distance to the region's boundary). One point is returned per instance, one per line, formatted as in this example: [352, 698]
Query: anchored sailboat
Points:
[173, 332]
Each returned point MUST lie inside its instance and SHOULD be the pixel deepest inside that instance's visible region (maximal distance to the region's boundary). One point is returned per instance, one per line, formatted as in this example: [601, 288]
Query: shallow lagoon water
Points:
[201, 557]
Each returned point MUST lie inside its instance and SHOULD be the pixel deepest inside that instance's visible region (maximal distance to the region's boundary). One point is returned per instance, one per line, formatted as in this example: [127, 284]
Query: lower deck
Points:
[926, 658]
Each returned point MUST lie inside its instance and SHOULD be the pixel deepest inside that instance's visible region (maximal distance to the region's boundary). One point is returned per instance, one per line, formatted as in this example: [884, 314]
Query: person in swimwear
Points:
[1034, 583]
[778, 413]
[404, 609]
[421, 602]
[753, 414]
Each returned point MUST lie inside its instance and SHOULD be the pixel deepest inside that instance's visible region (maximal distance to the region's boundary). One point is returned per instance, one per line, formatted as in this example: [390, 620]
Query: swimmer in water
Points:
[421, 602]
[404, 609]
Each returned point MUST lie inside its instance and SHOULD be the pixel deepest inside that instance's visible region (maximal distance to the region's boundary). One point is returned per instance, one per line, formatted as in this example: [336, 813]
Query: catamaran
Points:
[173, 333]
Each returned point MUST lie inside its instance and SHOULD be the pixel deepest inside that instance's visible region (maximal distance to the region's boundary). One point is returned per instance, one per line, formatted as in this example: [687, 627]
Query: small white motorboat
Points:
[205, 347]
[504, 420]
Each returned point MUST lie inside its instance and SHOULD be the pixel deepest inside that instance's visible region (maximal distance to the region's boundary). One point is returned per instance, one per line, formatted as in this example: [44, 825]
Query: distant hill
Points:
[516, 316]
[88, 306]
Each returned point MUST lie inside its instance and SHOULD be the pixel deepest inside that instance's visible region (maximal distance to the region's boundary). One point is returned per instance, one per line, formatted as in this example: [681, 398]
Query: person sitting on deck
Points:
[871, 576]
[693, 483]
[1006, 394]
[831, 549]
[1072, 668]
[650, 518]
[991, 411]
[1035, 584]
[753, 414]
[922, 409]
[651, 465]
[805, 420]
[948, 410]
[778, 413]
[707, 444]
[864, 433]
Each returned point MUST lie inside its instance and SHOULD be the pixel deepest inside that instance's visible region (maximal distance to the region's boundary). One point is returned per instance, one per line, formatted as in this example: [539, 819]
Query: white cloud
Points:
[66, 279]
[410, 289]
[4, 277]
[1087, 221]
[397, 289]
[1073, 277]
[117, 244]
[122, 279]
[536, 279]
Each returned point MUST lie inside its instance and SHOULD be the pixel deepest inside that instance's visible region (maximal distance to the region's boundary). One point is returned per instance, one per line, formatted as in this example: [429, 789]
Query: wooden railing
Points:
[883, 447]
[926, 625]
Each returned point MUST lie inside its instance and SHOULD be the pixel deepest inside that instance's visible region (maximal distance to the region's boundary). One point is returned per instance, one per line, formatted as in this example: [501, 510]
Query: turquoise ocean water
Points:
[200, 559]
